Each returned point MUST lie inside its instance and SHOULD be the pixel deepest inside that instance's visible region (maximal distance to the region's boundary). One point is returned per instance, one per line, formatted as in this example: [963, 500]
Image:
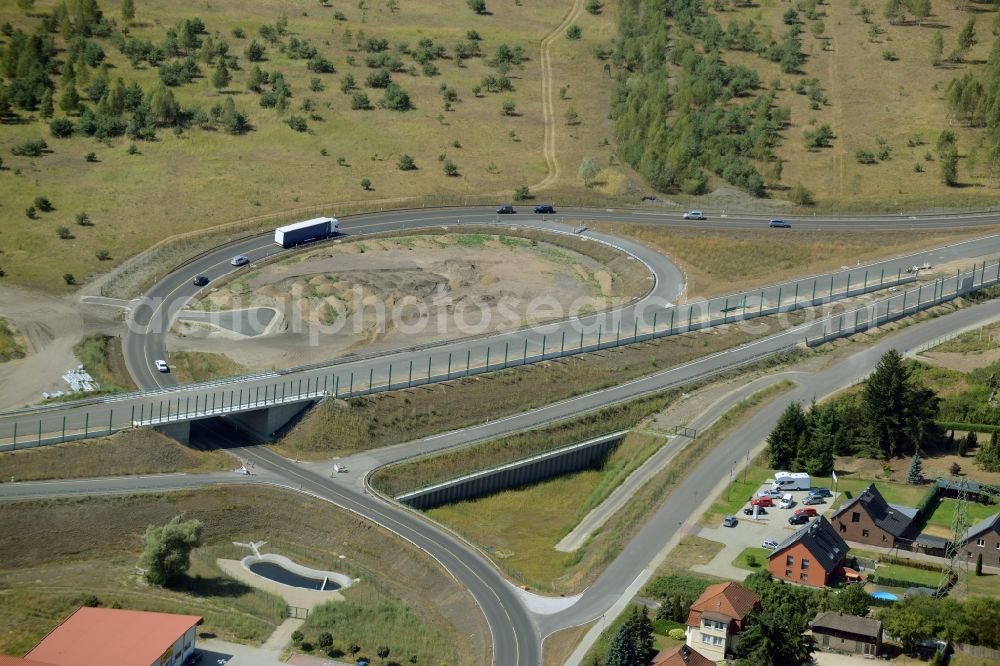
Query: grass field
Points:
[978, 340]
[870, 97]
[337, 428]
[715, 261]
[945, 513]
[188, 366]
[11, 345]
[918, 577]
[55, 553]
[101, 356]
[894, 493]
[140, 451]
[759, 556]
[273, 168]
[520, 528]
[690, 551]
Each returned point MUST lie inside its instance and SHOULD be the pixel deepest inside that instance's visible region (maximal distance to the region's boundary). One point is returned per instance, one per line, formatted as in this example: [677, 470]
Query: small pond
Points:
[280, 574]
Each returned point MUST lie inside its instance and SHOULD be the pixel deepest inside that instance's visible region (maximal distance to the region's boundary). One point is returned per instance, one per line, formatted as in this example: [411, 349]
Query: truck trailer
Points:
[303, 232]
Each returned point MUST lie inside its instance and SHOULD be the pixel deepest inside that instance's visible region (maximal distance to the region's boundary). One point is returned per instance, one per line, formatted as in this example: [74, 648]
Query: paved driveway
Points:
[750, 533]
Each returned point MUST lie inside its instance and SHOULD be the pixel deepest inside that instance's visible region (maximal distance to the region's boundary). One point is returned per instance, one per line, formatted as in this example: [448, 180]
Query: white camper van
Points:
[791, 481]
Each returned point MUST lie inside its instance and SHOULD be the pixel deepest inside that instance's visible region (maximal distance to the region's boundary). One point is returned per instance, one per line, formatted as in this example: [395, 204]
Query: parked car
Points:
[779, 224]
[161, 365]
[729, 521]
[765, 500]
[798, 519]
[545, 209]
[770, 544]
[239, 260]
[820, 492]
[200, 281]
[694, 215]
[813, 499]
[787, 501]
[807, 511]
[770, 492]
[506, 209]
[748, 511]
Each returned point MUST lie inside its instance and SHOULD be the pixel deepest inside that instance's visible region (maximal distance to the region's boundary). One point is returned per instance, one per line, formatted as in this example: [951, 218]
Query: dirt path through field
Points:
[548, 107]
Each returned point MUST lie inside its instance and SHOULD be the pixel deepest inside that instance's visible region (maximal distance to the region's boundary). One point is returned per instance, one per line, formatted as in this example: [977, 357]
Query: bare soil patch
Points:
[961, 361]
[55, 552]
[140, 451]
[382, 293]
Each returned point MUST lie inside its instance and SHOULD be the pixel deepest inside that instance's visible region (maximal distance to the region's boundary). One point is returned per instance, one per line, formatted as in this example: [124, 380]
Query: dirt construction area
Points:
[375, 294]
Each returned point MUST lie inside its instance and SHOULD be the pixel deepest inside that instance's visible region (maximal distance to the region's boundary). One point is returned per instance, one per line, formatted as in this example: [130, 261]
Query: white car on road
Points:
[161, 365]
[694, 215]
[770, 544]
[239, 260]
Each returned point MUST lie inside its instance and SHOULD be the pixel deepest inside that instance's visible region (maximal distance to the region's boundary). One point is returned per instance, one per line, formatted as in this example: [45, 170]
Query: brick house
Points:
[869, 519]
[811, 556]
[837, 632]
[681, 655]
[717, 617]
[984, 538]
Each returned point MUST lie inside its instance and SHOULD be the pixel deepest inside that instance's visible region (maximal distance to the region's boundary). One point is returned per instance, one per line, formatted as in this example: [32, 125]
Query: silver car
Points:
[694, 215]
[239, 260]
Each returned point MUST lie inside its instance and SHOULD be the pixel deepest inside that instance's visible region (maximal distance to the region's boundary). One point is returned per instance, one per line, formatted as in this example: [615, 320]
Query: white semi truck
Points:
[303, 232]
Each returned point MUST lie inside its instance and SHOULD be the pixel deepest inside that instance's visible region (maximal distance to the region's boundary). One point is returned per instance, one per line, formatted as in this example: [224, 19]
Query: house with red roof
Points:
[104, 636]
[717, 617]
[681, 655]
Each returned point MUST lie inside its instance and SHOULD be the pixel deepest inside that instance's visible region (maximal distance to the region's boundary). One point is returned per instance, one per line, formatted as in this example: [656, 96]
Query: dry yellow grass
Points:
[714, 260]
[871, 97]
[188, 366]
[128, 452]
[201, 179]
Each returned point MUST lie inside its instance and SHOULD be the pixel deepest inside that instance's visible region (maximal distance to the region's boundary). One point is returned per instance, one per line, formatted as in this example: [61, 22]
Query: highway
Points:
[516, 632]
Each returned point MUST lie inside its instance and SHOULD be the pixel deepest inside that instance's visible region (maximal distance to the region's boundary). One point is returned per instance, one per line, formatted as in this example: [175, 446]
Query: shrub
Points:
[43, 204]
[676, 634]
[298, 123]
[522, 193]
[508, 108]
[396, 99]
[478, 6]
[752, 561]
[63, 233]
[61, 128]
[297, 636]
[800, 195]
[574, 32]
[132, 149]
[68, 278]
[103, 255]
[366, 184]
[594, 6]
[865, 157]
[359, 101]
[325, 639]
[31, 213]
[379, 79]
[30, 148]
[90, 157]
[450, 169]
[83, 220]
[406, 163]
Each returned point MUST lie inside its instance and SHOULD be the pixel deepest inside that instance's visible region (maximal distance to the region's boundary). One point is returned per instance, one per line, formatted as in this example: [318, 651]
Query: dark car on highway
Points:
[545, 209]
[200, 281]
[779, 224]
[506, 209]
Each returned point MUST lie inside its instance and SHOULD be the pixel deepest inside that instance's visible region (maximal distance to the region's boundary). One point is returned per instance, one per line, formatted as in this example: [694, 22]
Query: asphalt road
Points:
[515, 632]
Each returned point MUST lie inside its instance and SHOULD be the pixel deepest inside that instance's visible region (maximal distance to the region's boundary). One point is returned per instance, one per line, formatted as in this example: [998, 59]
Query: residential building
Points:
[869, 519]
[837, 632]
[983, 538]
[814, 555]
[102, 636]
[717, 617]
[681, 655]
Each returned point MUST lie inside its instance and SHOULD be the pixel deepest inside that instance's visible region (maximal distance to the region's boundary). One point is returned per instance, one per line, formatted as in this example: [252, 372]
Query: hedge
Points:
[928, 503]
[968, 427]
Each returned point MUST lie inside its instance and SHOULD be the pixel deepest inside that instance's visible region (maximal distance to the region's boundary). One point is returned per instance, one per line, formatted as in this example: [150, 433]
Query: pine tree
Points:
[46, 106]
[979, 564]
[915, 475]
[621, 651]
[988, 455]
[221, 76]
[783, 442]
[824, 427]
[70, 99]
[898, 415]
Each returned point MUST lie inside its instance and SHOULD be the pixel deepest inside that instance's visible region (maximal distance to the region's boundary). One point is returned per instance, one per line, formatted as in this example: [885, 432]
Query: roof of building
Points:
[100, 636]
[887, 517]
[930, 541]
[821, 540]
[730, 601]
[966, 485]
[850, 624]
[682, 655]
[990, 522]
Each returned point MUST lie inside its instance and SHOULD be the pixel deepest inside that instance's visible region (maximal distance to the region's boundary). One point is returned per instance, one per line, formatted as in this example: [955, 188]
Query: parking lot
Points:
[751, 533]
